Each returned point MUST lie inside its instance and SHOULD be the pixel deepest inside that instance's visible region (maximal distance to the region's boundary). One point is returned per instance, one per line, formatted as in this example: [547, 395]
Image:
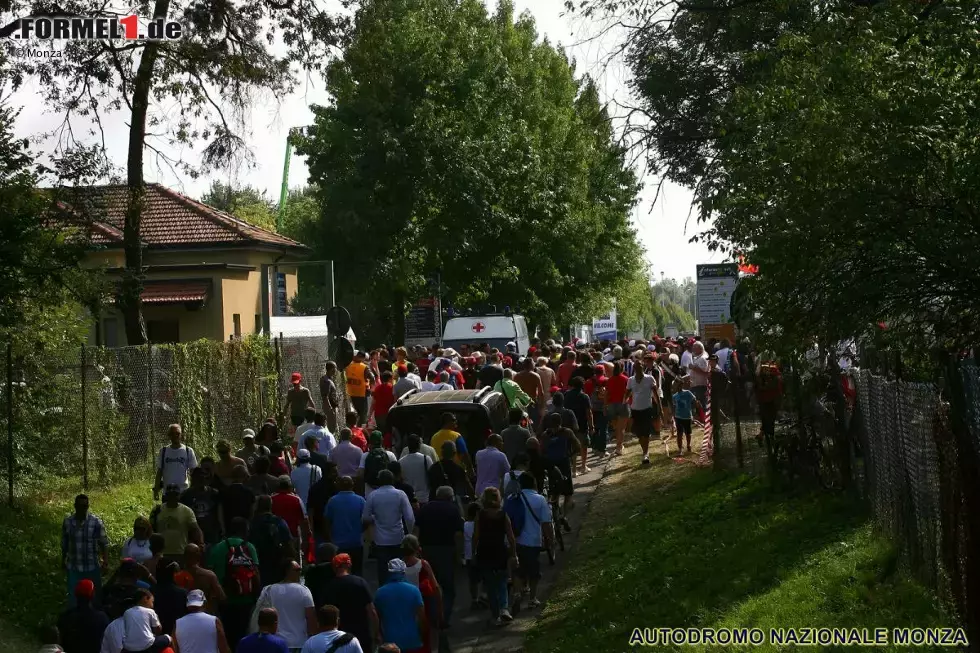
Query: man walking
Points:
[330, 639]
[343, 517]
[440, 526]
[352, 597]
[298, 400]
[267, 639]
[84, 547]
[198, 631]
[235, 563]
[174, 463]
[329, 396]
[538, 532]
[642, 388]
[391, 513]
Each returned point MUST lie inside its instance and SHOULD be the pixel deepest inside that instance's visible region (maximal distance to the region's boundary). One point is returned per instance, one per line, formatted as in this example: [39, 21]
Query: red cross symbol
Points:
[478, 327]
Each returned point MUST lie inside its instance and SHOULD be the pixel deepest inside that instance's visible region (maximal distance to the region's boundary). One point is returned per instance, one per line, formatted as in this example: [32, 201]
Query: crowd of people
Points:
[270, 548]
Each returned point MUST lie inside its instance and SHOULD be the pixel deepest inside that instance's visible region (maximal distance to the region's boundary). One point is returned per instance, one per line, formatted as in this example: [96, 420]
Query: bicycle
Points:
[807, 447]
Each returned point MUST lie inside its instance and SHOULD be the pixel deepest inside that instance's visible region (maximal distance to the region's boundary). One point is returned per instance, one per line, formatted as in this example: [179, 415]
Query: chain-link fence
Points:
[77, 416]
[308, 356]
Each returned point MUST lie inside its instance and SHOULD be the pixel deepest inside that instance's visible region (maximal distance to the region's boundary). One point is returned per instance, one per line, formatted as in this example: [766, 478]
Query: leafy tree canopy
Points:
[244, 202]
[191, 93]
[833, 143]
[457, 143]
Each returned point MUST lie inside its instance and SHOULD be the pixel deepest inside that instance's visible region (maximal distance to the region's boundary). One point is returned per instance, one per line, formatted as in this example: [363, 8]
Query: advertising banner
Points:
[604, 327]
[715, 286]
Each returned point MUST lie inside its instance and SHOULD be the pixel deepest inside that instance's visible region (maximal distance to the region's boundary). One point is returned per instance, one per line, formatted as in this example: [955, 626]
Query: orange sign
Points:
[719, 332]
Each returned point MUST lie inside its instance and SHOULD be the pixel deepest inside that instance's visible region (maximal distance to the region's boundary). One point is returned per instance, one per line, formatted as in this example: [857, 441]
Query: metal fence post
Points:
[738, 391]
[84, 425]
[149, 389]
[10, 423]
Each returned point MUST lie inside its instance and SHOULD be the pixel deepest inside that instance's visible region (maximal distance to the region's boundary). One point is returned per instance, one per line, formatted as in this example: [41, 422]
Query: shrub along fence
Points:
[76, 416]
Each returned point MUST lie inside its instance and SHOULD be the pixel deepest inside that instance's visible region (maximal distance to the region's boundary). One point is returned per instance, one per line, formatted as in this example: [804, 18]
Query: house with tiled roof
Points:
[202, 266]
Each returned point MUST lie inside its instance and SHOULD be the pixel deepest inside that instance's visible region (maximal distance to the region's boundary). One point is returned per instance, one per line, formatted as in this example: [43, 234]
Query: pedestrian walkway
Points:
[471, 631]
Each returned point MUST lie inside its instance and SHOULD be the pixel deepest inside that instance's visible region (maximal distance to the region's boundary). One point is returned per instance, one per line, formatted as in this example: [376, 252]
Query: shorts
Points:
[683, 426]
[617, 411]
[529, 562]
[297, 420]
[642, 422]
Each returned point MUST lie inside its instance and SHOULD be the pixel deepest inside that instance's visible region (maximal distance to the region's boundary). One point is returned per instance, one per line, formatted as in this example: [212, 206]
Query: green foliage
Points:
[457, 142]
[834, 144]
[39, 262]
[726, 552]
[244, 202]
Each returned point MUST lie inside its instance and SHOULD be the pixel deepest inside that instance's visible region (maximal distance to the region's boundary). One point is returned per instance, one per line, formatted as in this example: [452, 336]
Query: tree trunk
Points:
[132, 281]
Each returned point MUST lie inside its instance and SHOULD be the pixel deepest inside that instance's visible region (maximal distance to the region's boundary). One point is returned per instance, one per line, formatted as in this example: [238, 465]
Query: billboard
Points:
[423, 323]
[715, 286]
[604, 327]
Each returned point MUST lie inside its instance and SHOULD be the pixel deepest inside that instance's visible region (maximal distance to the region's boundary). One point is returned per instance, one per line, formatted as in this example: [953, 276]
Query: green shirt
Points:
[218, 561]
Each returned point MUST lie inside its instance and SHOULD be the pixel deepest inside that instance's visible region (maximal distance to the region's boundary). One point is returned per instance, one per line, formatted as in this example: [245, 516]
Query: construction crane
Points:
[295, 134]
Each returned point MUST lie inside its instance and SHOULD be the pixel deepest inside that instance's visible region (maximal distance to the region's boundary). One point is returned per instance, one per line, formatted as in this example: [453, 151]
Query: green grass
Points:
[32, 579]
[675, 546]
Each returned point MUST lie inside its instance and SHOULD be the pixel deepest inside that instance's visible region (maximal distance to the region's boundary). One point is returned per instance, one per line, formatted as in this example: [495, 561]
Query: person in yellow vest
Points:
[359, 382]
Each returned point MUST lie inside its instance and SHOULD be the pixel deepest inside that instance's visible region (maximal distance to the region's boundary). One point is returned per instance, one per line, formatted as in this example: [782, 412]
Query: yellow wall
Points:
[232, 291]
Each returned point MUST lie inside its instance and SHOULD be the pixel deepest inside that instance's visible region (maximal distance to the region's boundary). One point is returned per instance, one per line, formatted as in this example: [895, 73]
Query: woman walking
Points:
[495, 550]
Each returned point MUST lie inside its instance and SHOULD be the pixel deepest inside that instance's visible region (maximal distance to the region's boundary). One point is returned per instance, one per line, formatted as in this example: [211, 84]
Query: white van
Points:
[495, 330]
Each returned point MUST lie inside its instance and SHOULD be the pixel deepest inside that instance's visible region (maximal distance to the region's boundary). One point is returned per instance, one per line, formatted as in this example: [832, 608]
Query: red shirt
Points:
[288, 506]
[565, 373]
[616, 389]
[357, 438]
[278, 467]
[423, 366]
[384, 399]
[589, 386]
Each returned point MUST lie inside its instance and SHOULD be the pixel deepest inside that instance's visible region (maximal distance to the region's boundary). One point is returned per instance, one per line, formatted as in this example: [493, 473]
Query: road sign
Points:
[715, 286]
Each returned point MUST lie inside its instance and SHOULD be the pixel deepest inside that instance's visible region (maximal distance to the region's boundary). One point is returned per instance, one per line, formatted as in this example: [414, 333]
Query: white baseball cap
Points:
[195, 599]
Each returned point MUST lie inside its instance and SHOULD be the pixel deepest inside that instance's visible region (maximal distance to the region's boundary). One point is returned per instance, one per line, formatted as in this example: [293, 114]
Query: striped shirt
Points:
[81, 542]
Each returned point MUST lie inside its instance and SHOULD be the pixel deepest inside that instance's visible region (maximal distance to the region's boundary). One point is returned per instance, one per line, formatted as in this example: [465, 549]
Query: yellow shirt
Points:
[442, 437]
[174, 524]
[356, 379]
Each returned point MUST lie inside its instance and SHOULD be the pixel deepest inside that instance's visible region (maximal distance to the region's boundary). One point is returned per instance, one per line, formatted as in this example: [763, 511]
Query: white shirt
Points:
[388, 508]
[321, 642]
[347, 455]
[686, 359]
[304, 477]
[139, 623]
[428, 386]
[642, 391]
[414, 468]
[723, 355]
[325, 441]
[368, 489]
[301, 432]
[425, 449]
[197, 633]
[112, 640]
[176, 465]
[699, 375]
[138, 550]
[414, 378]
[291, 601]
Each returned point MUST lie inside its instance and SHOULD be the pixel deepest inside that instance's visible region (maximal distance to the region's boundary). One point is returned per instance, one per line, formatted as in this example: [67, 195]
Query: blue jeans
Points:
[495, 583]
[74, 576]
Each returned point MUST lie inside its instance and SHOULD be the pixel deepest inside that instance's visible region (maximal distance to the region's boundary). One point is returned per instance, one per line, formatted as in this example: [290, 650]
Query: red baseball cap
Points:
[296, 377]
[85, 589]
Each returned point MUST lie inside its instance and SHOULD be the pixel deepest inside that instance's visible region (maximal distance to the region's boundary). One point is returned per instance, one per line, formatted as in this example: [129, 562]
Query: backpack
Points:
[514, 508]
[513, 486]
[598, 396]
[265, 537]
[375, 463]
[733, 368]
[241, 578]
[556, 448]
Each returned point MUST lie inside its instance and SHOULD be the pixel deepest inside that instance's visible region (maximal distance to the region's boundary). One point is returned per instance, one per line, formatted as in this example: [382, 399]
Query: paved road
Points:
[471, 631]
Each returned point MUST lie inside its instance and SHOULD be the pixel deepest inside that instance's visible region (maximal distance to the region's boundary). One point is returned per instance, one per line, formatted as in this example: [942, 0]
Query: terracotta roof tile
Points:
[169, 219]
